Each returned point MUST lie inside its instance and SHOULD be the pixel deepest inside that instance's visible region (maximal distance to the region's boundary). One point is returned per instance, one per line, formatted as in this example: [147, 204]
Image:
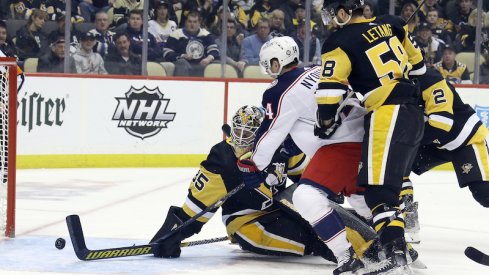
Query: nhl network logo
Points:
[143, 112]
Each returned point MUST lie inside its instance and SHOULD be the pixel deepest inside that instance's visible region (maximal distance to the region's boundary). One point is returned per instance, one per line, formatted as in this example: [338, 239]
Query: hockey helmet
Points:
[245, 124]
[331, 7]
[284, 49]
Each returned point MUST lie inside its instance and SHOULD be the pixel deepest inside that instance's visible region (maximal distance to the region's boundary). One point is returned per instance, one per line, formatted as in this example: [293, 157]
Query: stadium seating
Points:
[155, 69]
[30, 65]
[255, 73]
[468, 58]
[214, 70]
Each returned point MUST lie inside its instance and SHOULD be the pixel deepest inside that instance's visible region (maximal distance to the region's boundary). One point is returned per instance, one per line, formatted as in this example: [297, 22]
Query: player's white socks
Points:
[360, 206]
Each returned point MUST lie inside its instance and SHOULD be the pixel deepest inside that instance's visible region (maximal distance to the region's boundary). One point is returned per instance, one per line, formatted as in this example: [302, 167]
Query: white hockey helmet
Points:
[245, 123]
[283, 49]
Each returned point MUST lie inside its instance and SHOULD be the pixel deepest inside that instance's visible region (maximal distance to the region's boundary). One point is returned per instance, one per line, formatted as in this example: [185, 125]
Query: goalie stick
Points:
[477, 256]
[85, 254]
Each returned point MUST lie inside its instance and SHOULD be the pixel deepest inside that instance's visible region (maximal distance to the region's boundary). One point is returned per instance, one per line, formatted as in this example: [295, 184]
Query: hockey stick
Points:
[477, 256]
[415, 11]
[85, 254]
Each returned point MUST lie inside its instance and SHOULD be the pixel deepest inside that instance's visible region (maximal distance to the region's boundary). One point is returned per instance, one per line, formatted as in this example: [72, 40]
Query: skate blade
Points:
[418, 264]
[412, 238]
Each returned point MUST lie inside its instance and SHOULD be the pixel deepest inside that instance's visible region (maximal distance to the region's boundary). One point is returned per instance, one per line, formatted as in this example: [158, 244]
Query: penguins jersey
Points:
[219, 174]
[451, 123]
[373, 56]
[458, 74]
[290, 109]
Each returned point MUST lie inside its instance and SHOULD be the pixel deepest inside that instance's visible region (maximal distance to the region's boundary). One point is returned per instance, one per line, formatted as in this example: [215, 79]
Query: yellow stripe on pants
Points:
[382, 126]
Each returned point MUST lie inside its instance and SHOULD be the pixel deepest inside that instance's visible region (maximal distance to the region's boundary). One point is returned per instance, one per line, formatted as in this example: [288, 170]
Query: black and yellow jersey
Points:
[451, 123]
[373, 56]
[219, 174]
[457, 74]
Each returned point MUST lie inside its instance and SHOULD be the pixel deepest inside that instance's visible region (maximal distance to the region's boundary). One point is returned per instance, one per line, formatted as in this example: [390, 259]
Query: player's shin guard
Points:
[480, 192]
[313, 205]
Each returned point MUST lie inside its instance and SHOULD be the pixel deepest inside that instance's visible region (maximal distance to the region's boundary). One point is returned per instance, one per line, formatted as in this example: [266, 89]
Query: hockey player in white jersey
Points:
[290, 109]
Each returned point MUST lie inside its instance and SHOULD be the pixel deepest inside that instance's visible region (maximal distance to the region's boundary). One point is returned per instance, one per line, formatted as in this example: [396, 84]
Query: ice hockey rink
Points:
[121, 207]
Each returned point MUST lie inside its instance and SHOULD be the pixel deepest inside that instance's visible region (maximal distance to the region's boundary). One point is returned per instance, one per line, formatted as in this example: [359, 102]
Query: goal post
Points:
[8, 141]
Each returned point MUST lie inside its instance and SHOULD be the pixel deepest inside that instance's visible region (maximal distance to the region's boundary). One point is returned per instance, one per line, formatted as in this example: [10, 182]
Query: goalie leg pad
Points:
[480, 192]
[313, 205]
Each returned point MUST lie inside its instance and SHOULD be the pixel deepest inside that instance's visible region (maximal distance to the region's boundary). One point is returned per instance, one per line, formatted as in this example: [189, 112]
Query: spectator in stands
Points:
[250, 48]
[30, 41]
[261, 9]
[160, 26]
[121, 60]
[233, 49]
[205, 8]
[19, 9]
[56, 7]
[6, 46]
[484, 67]
[427, 6]
[289, 10]
[300, 16]
[432, 46]
[53, 61]
[452, 70]
[135, 31]
[368, 10]
[86, 60]
[88, 8]
[122, 9]
[191, 48]
[60, 32]
[241, 16]
[440, 27]
[216, 26]
[408, 8]
[459, 13]
[246, 5]
[277, 23]
[314, 46]
[103, 35]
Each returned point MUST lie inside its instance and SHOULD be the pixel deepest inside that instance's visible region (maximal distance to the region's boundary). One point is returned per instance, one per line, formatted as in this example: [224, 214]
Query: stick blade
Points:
[476, 255]
[76, 235]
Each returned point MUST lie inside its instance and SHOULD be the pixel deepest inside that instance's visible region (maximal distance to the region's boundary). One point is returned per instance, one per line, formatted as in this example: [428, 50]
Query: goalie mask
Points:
[331, 7]
[283, 49]
[245, 123]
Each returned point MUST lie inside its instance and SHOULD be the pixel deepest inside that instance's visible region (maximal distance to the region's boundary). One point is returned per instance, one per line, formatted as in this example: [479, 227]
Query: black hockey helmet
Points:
[331, 7]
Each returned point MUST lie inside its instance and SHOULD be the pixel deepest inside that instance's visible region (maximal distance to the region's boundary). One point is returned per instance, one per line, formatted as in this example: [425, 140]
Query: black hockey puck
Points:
[60, 243]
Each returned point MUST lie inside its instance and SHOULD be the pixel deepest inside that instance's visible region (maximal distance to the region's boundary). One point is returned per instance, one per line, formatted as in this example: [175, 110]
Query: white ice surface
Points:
[120, 207]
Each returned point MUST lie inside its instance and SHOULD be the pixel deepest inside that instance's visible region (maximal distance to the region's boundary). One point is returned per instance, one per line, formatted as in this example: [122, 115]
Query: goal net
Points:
[8, 123]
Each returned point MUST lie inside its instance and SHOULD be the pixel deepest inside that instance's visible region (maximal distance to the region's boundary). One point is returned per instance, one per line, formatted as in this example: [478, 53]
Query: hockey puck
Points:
[60, 243]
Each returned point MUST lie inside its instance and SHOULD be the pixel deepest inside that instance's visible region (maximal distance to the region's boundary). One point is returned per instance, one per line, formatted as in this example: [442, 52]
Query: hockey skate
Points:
[395, 262]
[411, 222]
[348, 263]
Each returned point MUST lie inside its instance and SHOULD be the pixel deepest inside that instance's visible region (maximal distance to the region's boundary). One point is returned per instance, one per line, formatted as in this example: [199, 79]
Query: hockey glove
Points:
[324, 129]
[168, 248]
[252, 177]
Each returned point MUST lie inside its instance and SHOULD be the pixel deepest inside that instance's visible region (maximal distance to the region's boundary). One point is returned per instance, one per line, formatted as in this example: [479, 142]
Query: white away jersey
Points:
[291, 107]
